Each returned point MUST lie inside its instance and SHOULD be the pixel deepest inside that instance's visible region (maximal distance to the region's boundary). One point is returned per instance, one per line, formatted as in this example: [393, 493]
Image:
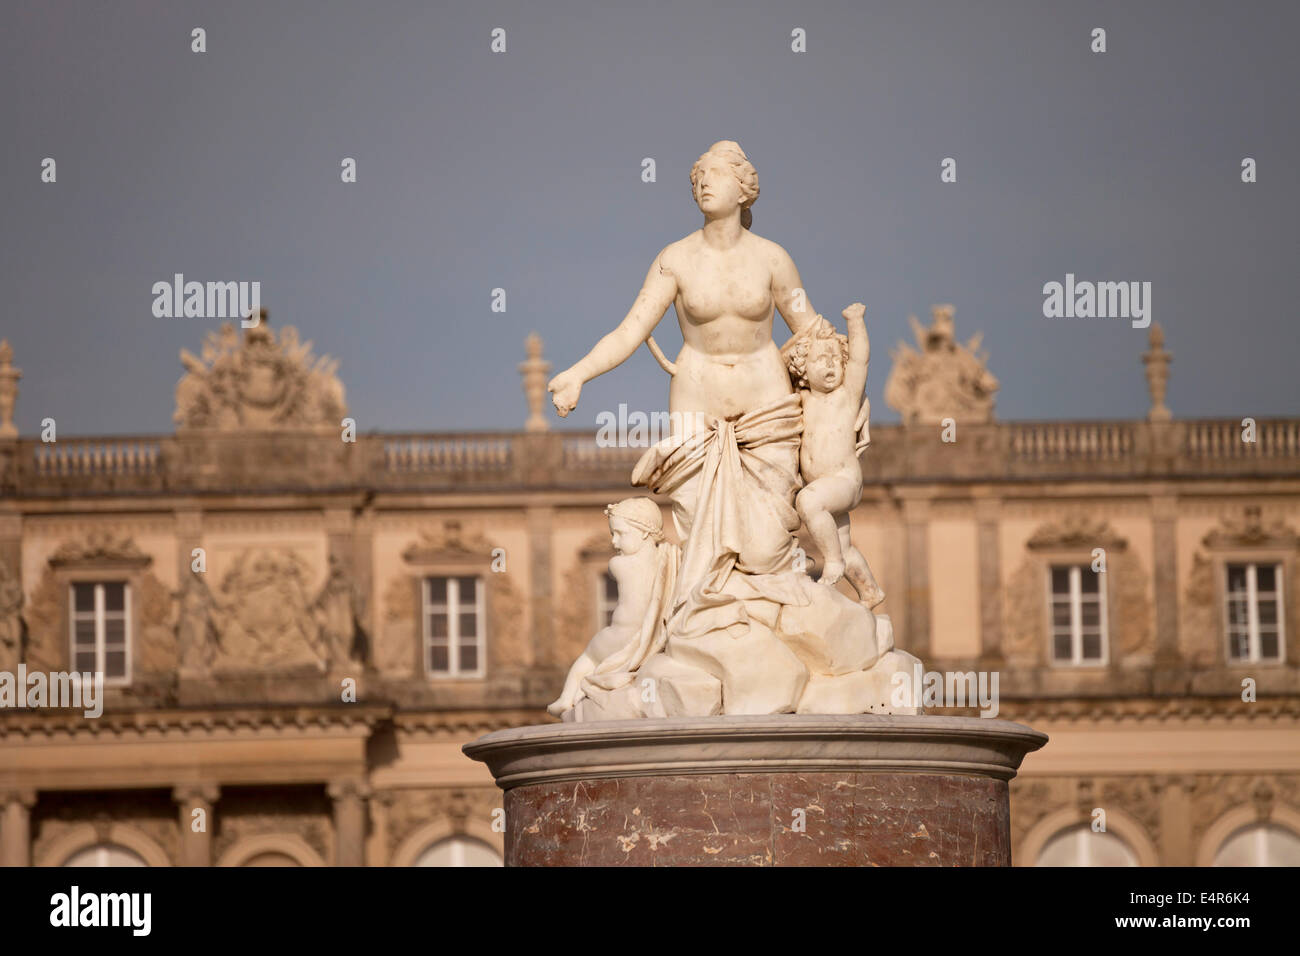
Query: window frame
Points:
[1252, 564]
[1077, 566]
[100, 619]
[427, 607]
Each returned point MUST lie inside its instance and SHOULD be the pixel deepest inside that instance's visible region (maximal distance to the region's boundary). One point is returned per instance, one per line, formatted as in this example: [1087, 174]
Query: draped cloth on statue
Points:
[732, 485]
[618, 669]
[732, 628]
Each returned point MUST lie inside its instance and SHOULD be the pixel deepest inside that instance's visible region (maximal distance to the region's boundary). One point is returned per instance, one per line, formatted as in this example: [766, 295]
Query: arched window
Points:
[271, 858]
[1261, 844]
[459, 851]
[105, 854]
[1080, 846]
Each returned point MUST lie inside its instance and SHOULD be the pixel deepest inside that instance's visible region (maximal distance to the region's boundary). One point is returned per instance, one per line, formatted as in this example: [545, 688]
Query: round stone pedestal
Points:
[784, 790]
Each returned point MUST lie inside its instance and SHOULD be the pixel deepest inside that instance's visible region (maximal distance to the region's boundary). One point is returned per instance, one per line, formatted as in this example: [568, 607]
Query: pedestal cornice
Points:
[768, 744]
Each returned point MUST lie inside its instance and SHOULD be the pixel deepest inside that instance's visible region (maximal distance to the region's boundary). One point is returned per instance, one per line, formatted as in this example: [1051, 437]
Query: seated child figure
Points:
[830, 370]
[635, 527]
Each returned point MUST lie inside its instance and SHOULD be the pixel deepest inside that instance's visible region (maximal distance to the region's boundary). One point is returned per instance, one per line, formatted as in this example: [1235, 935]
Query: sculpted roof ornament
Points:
[941, 378]
[258, 381]
[9, 377]
[534, 372]
[1156, 361]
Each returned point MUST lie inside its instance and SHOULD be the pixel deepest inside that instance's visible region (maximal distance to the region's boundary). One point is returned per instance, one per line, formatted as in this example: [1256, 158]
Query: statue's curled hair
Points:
[796, 351]
[730, 152]
[641, 513]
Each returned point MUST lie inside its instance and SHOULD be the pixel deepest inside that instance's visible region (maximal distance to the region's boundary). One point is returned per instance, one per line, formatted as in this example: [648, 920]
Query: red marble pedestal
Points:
[784, 790]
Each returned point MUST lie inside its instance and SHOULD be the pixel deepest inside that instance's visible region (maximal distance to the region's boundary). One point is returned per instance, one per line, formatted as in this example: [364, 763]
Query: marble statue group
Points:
[766, 441]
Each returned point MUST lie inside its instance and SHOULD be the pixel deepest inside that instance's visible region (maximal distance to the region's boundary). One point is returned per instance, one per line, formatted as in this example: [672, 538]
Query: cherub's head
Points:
[633, 522]
[817, 356]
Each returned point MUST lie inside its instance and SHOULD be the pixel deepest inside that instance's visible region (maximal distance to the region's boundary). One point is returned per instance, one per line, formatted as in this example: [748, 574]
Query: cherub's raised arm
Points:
[788, 292]
[855, 376]
[657, 293]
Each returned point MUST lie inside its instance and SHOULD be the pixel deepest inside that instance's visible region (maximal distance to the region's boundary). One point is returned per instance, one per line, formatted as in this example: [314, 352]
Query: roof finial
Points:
[9, 377]
[534, 372]
[1157, 360]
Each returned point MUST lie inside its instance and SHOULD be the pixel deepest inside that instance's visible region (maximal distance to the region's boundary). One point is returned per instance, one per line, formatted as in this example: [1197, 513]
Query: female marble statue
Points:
[724, 282]
[731, 467]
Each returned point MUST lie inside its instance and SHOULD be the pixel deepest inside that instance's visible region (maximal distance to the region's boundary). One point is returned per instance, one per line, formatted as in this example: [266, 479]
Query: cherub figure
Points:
[636, 528]
[830, 370]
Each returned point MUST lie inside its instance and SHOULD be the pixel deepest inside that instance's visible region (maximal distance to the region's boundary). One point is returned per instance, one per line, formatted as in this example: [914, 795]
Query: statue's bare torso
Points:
[728, 364]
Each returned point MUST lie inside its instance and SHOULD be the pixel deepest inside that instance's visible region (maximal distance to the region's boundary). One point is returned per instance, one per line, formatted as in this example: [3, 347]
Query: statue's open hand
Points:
[856, 311]
[863, 425]
[565, 389]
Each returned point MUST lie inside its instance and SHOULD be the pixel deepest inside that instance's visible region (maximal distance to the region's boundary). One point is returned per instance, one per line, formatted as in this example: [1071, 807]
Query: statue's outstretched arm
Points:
[657, 293]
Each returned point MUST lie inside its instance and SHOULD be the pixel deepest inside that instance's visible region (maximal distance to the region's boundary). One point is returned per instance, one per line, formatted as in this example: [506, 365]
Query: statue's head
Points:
[633, 522]
[817, 357]
[724, 178]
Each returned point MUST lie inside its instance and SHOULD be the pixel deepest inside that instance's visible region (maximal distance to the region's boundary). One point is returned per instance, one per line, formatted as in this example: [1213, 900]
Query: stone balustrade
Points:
[131, 456]
[1071, 441]
[194, 461]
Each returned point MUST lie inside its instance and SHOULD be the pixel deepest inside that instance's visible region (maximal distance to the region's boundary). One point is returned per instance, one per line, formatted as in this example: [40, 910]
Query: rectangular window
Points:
[1078, 615]
[101, 625]
[606, 599]
[453, 626]
[1253, 612]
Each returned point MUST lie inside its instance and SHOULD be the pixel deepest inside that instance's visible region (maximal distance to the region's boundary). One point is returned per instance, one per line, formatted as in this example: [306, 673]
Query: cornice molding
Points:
[1151, 710]
[26, 723]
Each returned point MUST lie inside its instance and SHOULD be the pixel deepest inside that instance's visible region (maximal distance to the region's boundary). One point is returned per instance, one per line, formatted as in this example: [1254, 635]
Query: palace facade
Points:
[299, 625]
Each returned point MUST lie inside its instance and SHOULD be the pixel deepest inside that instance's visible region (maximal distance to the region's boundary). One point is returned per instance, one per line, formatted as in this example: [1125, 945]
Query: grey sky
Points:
[522, 170]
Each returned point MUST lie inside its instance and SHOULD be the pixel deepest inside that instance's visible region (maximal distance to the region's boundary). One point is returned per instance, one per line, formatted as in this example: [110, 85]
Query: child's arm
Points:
[862, 427]
[855, 375]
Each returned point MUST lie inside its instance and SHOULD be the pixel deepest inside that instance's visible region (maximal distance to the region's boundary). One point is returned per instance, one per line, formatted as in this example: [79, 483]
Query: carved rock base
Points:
[785, 790]
[762, 675]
